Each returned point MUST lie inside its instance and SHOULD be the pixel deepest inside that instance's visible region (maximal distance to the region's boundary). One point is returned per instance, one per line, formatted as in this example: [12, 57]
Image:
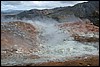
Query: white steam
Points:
[57, 45]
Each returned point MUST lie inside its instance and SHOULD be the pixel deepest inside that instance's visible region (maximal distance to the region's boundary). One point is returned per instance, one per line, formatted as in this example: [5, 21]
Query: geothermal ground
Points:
[49, 44]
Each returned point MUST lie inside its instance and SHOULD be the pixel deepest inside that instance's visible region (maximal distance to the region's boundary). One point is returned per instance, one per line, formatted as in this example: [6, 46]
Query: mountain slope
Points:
[87, 10]
[83, 10]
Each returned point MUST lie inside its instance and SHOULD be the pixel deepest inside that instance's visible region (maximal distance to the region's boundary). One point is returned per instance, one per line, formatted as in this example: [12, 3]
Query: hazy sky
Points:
[27, 5]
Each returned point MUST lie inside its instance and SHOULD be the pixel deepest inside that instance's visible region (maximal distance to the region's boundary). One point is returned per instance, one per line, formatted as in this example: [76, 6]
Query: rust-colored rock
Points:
[18, 37]
[82, 31]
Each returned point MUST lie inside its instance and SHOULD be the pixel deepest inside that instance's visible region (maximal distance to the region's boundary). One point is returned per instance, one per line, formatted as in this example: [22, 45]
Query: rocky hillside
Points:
[87, 10]
[18, 35]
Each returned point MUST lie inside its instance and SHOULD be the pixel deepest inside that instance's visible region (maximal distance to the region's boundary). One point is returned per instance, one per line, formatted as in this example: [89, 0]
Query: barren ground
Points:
[42, 44]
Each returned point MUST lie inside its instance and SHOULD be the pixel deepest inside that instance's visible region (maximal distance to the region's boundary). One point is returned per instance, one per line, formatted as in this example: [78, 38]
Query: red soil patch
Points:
[77, 28]
[80, 26]
[24, 26]
[91, 61]
[25, 41]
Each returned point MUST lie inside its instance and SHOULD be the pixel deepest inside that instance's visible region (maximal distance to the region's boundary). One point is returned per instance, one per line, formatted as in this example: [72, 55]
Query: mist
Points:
[56, 44]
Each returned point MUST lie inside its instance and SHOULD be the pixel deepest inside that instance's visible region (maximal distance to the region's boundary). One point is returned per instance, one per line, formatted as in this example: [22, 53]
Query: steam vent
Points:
[61, 36]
